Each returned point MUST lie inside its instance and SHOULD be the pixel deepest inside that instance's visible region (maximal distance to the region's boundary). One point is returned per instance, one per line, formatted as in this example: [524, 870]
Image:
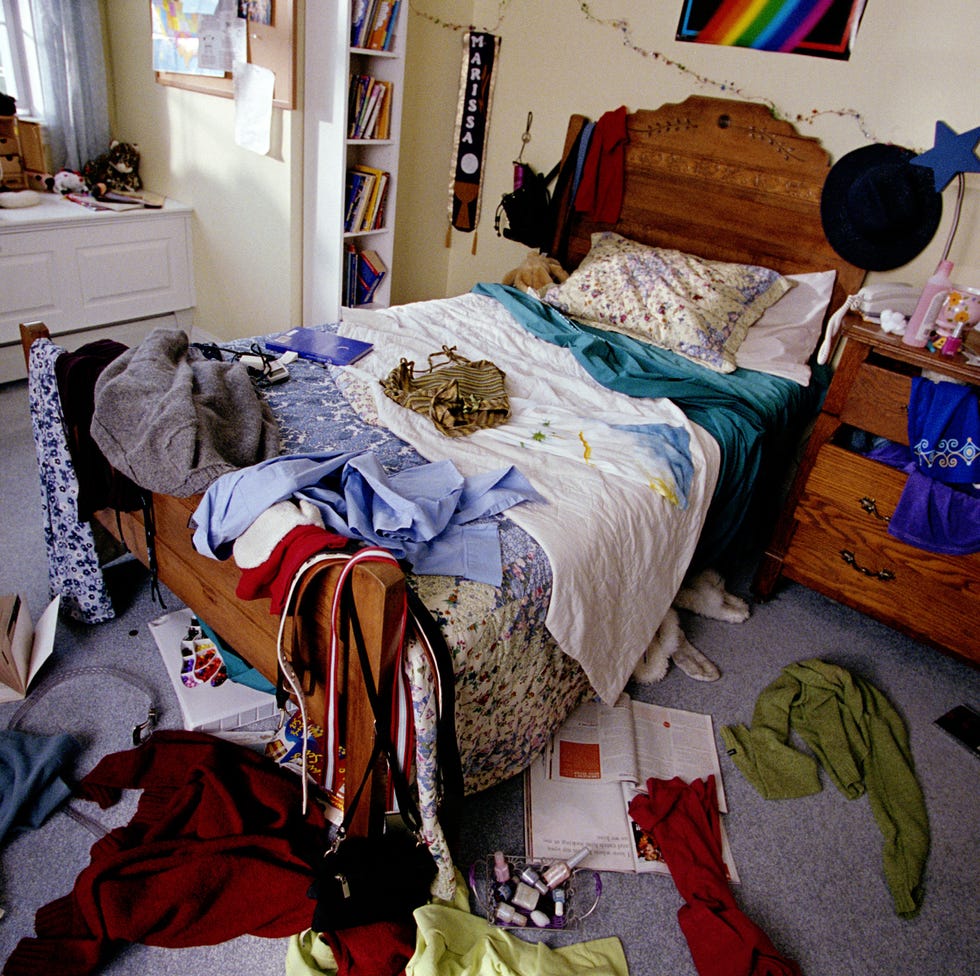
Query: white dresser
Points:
[77, 270]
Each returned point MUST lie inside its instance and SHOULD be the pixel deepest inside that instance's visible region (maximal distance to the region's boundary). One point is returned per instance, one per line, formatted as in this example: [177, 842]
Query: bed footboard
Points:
[208, 586]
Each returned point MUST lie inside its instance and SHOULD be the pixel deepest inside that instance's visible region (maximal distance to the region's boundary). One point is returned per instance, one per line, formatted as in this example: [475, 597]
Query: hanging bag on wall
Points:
[527, 209]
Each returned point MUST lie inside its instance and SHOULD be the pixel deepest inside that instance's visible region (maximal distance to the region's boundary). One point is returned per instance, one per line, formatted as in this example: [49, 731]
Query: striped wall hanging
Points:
[824, 28]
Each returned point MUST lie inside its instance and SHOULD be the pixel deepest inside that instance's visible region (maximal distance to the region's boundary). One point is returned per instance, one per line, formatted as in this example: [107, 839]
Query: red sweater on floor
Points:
[218, 848]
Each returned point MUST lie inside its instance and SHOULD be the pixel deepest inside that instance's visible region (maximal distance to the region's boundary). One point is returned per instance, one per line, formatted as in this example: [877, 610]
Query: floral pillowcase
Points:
[698, 308]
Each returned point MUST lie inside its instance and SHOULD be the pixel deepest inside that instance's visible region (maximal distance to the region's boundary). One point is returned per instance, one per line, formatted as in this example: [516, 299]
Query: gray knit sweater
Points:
[174, 421]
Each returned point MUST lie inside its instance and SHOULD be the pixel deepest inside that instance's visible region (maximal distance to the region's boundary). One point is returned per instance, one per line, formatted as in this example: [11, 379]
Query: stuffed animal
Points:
[67, 181]
[118, 168]
[537, 273]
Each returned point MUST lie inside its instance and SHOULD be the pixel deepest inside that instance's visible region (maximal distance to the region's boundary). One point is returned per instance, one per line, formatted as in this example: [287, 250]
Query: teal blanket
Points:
[755, 418]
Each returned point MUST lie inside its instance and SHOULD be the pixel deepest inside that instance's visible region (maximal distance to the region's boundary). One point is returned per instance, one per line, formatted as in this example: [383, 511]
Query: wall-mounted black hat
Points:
[878, 211]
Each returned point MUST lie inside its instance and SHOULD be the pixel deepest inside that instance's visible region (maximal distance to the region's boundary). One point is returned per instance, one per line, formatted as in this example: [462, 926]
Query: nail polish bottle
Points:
[510, 915]
[560, 896]
[526, 897]
[953, 342]
[501, 869]
[531, 877]
[562, 870]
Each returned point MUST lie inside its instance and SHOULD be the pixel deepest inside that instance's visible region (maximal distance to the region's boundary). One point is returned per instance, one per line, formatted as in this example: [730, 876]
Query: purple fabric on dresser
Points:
[937, 517]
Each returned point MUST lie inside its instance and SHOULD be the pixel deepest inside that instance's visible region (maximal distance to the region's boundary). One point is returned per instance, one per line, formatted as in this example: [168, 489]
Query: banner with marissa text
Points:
[472, 125]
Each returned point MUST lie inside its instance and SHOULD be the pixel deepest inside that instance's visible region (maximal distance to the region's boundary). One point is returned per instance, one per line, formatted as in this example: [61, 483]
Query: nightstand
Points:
[832, 534]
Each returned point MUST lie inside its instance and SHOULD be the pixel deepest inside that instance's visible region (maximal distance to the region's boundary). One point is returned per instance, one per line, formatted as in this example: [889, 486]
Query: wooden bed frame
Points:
[715, 177]
[722, 179]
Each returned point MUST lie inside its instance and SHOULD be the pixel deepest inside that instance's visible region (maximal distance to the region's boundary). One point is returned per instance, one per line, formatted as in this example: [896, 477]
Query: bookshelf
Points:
[341, 70]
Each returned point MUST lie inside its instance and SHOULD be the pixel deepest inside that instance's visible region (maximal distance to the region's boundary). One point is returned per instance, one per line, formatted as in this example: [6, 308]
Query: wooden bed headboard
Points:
[722, 179]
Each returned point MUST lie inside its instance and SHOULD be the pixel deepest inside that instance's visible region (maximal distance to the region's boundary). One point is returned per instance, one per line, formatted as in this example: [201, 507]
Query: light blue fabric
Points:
[425, 514]
[235, 500]
[672, 445]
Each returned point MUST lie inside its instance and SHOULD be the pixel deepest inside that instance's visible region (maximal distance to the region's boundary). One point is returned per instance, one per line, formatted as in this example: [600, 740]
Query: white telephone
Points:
[895, 296]
[870, 302]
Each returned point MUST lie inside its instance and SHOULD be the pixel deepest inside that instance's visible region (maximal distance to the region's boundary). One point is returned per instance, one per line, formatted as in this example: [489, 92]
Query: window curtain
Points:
[73, 78]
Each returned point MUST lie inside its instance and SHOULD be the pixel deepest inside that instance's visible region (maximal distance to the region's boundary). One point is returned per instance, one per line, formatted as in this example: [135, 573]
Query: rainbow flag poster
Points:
[822, 28]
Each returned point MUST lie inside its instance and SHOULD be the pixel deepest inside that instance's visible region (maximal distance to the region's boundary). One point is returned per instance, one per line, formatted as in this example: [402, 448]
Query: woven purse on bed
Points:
[459, 396]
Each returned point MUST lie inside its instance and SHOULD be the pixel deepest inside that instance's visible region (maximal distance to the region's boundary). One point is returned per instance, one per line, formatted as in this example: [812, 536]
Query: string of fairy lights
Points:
[625, 29]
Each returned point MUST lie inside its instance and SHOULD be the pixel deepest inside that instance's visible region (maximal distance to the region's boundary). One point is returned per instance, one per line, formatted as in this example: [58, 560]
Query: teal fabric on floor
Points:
[753, 416]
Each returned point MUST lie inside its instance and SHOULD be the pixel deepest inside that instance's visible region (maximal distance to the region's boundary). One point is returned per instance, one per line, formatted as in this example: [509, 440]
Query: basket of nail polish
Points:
[517, 893]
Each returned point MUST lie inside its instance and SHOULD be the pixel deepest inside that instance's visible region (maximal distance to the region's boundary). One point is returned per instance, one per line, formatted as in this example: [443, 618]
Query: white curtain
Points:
[73, 78]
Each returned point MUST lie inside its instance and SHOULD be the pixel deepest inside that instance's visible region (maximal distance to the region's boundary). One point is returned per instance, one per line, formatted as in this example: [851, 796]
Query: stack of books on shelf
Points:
[363, 273]
[369, 108]
[367, 191]
[373, 24]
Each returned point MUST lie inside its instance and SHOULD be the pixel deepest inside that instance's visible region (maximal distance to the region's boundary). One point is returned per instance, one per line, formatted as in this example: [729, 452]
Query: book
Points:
[206, 703]
[24, 647]
[320, 345]
[355, 190]
[392, 21]
[100, 203]
[371, 270]
[379, 28]
[382, 128]
[366, 182]
[365, 24]
[578, 792]
[359, 11]
[365, 218]
[381, 197]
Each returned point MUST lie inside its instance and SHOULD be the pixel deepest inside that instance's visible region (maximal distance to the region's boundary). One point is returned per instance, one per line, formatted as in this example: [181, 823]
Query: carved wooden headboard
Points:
[722, 179]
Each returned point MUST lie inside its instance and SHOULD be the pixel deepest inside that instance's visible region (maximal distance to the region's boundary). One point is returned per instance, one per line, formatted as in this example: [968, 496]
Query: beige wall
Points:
[247, 207]
[914, 63]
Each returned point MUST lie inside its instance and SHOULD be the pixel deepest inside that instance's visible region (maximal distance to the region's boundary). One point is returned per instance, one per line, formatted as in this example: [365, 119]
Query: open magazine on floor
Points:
[577, 794]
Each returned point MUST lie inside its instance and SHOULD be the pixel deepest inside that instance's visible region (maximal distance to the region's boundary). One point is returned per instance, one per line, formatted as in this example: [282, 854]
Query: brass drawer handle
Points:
[885, 575]
[871, 507]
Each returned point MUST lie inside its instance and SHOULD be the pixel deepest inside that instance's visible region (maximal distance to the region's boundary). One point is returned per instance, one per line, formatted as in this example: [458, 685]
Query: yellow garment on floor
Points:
[308, 955]
[453, 942]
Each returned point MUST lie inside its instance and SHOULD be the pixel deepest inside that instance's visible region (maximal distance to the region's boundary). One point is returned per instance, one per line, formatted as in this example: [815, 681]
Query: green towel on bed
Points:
[861, 741]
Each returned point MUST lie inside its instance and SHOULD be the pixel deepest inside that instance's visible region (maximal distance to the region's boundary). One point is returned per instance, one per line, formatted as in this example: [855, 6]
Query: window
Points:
[20, 73]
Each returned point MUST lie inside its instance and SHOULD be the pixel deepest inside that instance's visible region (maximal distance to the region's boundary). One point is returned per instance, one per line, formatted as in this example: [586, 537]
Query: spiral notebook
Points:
[321, 345]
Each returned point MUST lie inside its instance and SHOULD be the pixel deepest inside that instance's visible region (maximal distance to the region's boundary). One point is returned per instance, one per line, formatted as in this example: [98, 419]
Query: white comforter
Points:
[618, 546]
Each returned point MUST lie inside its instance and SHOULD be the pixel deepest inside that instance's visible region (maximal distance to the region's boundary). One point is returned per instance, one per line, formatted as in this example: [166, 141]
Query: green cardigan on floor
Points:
[862, 743]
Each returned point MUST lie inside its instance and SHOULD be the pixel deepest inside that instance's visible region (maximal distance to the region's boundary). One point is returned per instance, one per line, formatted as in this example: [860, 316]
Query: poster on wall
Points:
[197, 37]
[822, 28]
[480, 52]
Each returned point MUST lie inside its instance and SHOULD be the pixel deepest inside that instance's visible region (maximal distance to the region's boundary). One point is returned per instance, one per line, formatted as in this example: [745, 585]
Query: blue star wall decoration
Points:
[951, 154]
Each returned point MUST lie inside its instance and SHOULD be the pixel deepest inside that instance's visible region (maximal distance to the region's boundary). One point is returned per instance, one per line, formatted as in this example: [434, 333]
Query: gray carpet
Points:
[810, 869]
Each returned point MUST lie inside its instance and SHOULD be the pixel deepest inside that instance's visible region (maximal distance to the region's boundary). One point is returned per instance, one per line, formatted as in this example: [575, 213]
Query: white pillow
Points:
[782, 341]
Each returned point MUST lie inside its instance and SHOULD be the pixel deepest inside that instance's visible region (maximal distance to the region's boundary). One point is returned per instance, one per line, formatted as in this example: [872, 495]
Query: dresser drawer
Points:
[11, 169]
[878, 403]
[842, 548]
[859, 487]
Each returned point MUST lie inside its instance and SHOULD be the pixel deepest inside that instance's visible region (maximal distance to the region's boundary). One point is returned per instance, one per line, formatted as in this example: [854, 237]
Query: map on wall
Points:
[822, 28]
[196, 37]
